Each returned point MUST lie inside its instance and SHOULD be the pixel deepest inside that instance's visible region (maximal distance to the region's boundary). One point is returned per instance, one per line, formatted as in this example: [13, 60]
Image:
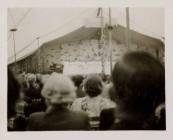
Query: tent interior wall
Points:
[83, 45]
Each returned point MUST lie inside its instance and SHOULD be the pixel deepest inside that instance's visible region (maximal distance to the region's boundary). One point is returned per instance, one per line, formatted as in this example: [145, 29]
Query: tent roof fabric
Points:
[82, 33]
[118, 34]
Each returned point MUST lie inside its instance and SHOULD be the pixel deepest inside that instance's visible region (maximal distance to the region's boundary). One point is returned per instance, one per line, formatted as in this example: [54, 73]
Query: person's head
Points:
[77, 79]
[38, 77]
[58, 90]
[21, 78]
[104, 77]
[31, 78]
[139, 81]
[93, 85]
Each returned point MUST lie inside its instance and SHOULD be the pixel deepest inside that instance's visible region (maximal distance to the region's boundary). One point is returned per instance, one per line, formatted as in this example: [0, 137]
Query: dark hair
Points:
[77, 79]
[104, 77]
[93, 85]
[139, 81]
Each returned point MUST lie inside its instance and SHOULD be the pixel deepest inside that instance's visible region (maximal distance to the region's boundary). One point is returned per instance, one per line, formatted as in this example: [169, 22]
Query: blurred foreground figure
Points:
[58, 92]
[13, 93]
[93, 103]
[12, 96]
[139, 82]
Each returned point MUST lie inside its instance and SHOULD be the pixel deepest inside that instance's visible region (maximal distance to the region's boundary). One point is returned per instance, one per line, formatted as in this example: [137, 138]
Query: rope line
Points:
[20, 51]
[71, 20]
[46, 34]
[139, 26]
[20, 20]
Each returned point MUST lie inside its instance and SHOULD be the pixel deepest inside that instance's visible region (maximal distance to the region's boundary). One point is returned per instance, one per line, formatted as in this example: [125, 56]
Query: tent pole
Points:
[110, 28]
[102, 41]
[127, 28]
[39, 58]
[14, 44]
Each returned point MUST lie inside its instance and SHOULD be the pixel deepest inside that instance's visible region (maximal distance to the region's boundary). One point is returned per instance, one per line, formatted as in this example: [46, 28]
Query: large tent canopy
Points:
[49, 24]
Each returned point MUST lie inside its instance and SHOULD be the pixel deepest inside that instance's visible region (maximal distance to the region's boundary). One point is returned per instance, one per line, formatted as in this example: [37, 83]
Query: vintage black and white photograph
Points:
[86, 69]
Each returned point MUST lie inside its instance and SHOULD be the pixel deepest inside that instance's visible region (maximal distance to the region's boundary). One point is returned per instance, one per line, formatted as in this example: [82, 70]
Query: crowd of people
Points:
[131, 98]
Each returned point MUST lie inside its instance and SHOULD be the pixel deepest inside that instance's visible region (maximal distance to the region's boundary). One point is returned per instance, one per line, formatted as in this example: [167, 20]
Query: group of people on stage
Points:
[131, 98]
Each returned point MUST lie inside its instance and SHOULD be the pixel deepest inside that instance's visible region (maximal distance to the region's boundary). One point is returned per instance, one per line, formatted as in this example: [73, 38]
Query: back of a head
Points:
[93, 85]
[139, 81]
[31, 78]
[59, 89]
[77, 79]
[104, 77]
[44, 78]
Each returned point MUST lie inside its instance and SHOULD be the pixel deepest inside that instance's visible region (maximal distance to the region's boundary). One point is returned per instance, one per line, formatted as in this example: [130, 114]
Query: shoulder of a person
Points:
[108, 102]
[36, 115]
[79, 100]
[79, 114]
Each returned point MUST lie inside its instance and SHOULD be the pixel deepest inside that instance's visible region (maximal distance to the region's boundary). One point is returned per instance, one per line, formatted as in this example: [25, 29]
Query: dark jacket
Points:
[112, 120]
[63, 119]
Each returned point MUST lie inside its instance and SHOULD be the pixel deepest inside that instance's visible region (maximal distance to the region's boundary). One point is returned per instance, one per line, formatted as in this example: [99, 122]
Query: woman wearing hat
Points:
[58, 92]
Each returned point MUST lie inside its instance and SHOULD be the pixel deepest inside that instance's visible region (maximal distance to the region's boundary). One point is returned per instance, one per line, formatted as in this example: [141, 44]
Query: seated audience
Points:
[93, 103]
[59, 92]
[132, 98]
[139, 83]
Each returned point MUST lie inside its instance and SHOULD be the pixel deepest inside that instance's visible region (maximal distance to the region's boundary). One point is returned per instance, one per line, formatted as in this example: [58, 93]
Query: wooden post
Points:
[127, 28]
[110, 28]
[102, 42]
[14, 45]
[39, 55]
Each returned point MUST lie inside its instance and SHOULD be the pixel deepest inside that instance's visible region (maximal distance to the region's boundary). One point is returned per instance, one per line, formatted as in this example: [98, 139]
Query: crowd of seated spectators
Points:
[131, 98]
